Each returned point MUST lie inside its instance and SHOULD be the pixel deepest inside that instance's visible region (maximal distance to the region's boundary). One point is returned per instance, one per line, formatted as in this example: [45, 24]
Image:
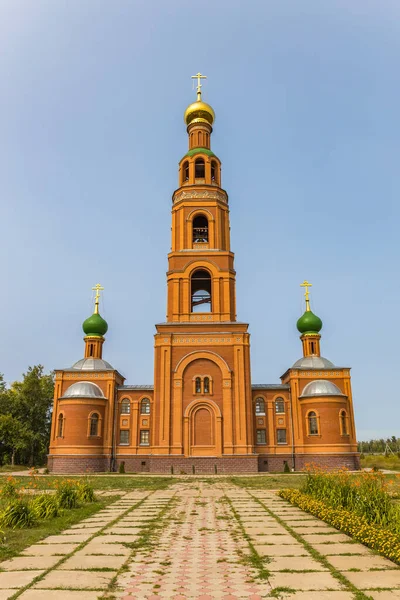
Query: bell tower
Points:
[202, 393]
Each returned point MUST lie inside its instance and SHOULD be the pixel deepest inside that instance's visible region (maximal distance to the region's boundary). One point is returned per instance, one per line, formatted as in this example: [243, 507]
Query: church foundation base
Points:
[274, 463]
[196, 465]
[78, 464]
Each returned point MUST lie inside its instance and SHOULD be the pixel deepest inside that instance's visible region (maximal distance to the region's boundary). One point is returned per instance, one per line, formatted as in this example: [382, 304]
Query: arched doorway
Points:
[203, 430]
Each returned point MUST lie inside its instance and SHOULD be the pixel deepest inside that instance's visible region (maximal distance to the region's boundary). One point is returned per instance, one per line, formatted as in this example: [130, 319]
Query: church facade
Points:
[203, 414]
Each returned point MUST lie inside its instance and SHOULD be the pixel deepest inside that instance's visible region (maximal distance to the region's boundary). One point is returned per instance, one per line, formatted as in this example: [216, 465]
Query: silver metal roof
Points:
[321, 387]
[313, 362]
[136, 387]
[92, 364]
[270, 386]
[83, 389]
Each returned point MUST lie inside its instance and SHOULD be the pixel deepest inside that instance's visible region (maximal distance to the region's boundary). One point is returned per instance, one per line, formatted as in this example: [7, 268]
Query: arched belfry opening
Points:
[199, 168]
[201, 291]
[214, 171]
[185, 172]
[200, 229]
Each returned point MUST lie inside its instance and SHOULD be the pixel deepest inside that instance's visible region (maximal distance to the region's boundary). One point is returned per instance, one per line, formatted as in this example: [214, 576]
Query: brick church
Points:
[203, 414]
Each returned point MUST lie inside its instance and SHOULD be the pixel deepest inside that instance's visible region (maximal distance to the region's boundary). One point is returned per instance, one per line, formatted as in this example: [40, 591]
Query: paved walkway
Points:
[200, 541]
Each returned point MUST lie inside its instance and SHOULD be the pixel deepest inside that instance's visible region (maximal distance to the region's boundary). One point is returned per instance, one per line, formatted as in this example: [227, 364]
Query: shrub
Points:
[286, 468]
[378, 538]
[121, 467]
[366, 495]
[10, 488]
[85, 491]
[66, 494]
[46, 471]
[45, 506]
[18, 514]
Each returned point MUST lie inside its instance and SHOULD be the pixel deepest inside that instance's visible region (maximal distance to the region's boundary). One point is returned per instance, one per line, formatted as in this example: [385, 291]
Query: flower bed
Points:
[376, 537]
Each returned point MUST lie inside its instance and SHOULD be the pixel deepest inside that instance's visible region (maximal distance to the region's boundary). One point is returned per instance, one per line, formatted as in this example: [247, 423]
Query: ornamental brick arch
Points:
[222, 400]
[202, 429]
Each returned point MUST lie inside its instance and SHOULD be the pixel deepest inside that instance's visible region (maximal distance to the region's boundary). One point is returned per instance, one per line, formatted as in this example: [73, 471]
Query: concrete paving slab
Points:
[295, 563]
[321, 595]
[5, 594]
[330, 549]
[106, 549]
[58, 595]
[17, 579]
[21, 563]
[66, 539]
[364, 563]
[128, 531]
[316, 538]
[112, 538]
[83, 562]
[278, 550]
[388, 595]
[49, 549]
[277, 539]
[374, 579]
[303, 581]
[74, 580]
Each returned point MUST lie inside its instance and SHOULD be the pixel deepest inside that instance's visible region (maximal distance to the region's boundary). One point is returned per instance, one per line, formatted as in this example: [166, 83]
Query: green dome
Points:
[309, 323]
[95, 325]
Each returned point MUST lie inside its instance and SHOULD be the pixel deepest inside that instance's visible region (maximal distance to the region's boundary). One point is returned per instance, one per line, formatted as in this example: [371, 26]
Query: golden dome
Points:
[199, 112]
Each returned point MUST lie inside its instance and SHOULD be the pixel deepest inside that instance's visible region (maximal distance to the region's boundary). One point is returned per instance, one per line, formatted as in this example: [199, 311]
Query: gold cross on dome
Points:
[199, 77]
[306, 284]
[97, 289]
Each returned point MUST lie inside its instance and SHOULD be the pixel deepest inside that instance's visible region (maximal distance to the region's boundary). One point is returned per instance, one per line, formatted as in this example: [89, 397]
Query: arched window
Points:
[185, 171]
[312, 423]
[214, 171]
[145, 406]
[125, 407]
[343, 423]
[260, 406]
[201, 291]
[94, 425]
[200, 229]
[279, 405]
[198, 385]
[60, 427]
[206, 385]
[199, 168]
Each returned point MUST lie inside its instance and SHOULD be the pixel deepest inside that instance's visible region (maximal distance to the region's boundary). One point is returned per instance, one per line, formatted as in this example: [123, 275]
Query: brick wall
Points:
[78, 464]
[326, 461]
[198, 465]
[330, 462]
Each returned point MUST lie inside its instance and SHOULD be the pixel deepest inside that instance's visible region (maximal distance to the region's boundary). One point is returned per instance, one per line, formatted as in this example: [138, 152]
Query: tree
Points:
[14, 436]
[29, 403]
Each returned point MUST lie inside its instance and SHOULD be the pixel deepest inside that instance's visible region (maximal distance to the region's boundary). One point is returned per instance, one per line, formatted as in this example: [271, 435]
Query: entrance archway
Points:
[203, 429]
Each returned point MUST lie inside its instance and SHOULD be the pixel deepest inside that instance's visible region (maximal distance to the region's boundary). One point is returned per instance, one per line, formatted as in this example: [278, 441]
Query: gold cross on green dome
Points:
[97, 289]
[306, 284]
[199, 77]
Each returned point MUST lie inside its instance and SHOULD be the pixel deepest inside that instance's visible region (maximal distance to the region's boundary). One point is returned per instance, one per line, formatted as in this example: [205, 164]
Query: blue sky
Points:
[306, 95]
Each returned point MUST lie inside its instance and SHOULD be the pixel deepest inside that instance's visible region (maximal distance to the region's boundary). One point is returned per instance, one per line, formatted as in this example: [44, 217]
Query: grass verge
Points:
[16, 540]
[100, 482]
[358, 594]
[254, 559]
[270, 482]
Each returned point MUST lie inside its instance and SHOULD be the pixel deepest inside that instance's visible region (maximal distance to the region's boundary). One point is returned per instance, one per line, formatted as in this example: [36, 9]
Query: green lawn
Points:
[381, 461]
[99, 482]
[14, 541]
[269, 482]
[13, 468]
